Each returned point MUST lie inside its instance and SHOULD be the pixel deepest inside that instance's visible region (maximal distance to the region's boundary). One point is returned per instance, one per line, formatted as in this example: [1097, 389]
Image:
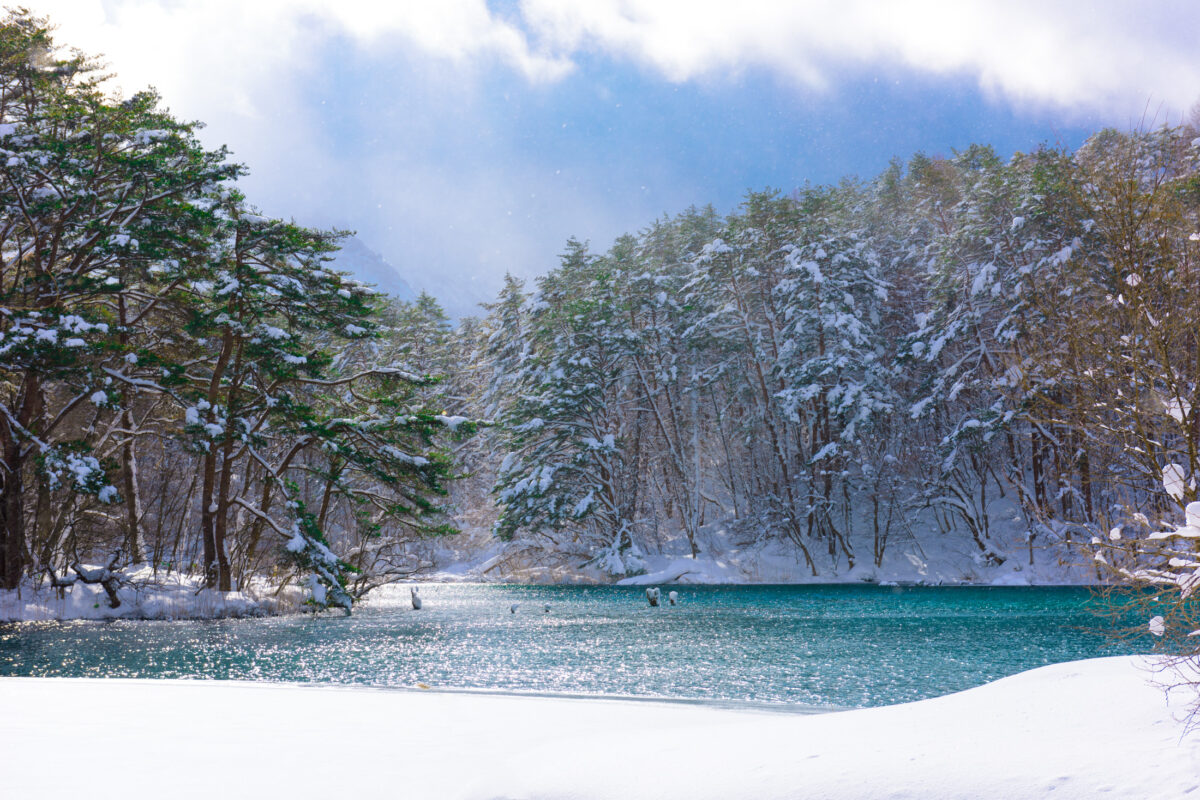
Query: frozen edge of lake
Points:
[1074, 730]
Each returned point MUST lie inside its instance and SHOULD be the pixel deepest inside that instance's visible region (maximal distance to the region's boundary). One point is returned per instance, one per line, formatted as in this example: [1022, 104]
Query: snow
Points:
[146, 597]
[1079, 730]
[1011, 579]
[401, 456]
[918, 408]
[451, 422]
[584, 504]
[1174, 481]
[983, 278]
[1178, 410]
[297, 543]
[917, 554]
[317, 590]
[608, 443]
[685, 570]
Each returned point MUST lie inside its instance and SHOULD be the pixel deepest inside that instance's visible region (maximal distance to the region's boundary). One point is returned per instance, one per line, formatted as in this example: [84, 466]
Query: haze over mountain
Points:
[370, 267]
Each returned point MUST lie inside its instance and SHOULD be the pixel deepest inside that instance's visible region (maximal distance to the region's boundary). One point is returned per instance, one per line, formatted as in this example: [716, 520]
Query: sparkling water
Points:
[801, 647]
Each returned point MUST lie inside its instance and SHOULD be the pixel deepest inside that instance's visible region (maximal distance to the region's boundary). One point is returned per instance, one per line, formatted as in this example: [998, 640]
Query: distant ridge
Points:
[369, 267]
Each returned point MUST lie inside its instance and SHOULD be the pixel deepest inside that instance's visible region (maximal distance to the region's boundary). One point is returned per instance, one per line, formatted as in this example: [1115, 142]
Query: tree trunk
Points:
[12, 551]
[1039, 472]
[221, 524]
[208, 517]
[11, 565]
[134, 542]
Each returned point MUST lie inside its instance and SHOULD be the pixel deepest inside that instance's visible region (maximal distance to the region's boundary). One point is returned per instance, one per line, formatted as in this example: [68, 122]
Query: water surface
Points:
[818, 646]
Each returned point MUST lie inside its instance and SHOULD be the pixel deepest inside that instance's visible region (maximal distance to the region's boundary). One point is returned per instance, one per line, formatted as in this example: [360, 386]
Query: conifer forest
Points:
[186, 381]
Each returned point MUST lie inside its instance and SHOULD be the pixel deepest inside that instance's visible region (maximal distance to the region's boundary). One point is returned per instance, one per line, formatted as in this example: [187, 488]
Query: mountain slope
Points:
[369, 267]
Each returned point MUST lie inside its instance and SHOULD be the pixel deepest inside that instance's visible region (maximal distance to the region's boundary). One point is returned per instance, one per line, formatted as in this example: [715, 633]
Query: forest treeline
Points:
[186, 382]
[832, 365]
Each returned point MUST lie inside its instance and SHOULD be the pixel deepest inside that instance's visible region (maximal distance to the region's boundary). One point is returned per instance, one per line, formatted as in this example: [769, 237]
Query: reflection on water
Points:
[815, 645]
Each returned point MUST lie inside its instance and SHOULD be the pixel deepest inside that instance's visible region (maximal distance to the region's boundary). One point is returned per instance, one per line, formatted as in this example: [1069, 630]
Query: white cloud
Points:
[1109, 57]
[258, 71]
[158, 40]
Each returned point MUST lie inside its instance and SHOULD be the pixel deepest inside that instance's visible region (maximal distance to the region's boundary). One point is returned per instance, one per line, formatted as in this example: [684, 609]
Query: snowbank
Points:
[1078, 730]
[732, 554]
[146, 597]
[686, 570]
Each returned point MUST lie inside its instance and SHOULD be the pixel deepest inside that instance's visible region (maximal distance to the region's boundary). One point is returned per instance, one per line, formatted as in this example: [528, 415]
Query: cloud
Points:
[383, 116]
[159, 39]
[1110, 57]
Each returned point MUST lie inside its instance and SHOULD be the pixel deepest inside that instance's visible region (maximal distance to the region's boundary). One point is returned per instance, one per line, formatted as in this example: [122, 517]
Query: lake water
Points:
[810, 647]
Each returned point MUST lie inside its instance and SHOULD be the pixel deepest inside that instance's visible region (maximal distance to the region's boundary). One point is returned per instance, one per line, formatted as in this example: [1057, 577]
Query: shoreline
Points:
[183, 600]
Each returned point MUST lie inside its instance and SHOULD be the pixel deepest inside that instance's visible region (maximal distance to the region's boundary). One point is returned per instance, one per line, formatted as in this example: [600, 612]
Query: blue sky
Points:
[463, 139]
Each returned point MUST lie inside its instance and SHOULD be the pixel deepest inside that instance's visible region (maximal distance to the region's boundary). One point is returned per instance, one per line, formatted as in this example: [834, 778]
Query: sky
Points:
[462, 139]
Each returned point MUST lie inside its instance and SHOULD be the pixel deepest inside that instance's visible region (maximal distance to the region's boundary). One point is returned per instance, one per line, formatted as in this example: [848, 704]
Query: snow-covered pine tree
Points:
[507, 344]
[83, 177]
[379, 485]
[568, 470]
[832, 361]
[670, 375]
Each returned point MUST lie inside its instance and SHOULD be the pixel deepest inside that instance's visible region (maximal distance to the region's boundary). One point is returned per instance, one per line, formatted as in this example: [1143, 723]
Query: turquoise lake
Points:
[801, 647]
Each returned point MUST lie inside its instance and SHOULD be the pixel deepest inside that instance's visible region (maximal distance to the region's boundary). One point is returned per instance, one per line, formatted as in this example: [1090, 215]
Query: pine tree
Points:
[568, 466]
[84, 177]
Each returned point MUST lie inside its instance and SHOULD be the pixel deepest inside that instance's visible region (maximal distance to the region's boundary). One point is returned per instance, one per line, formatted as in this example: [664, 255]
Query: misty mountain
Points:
[369, 267]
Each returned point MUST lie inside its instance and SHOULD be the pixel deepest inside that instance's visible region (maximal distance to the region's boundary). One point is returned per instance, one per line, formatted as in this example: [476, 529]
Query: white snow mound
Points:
[1079, 730]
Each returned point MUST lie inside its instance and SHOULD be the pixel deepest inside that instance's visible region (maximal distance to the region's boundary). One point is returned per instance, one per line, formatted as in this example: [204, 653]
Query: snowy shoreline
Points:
[1073, 730]
[147, 597]
[184, 598]
[479, 559]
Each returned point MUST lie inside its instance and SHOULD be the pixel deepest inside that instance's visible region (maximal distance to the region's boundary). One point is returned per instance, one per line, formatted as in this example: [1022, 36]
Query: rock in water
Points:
[513, 608]
[652, 596]
[673, 598]
[416, 599]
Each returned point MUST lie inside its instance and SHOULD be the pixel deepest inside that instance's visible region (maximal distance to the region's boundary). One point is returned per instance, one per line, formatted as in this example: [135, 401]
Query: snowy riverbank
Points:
[1077, 730]
[732, 553]
[146, 595]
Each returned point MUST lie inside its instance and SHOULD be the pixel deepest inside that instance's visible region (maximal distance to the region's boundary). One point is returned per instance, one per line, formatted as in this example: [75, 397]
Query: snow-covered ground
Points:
[919, 556]
[1085, 729]
[917, 553]
[476, 556]
[146, 596]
